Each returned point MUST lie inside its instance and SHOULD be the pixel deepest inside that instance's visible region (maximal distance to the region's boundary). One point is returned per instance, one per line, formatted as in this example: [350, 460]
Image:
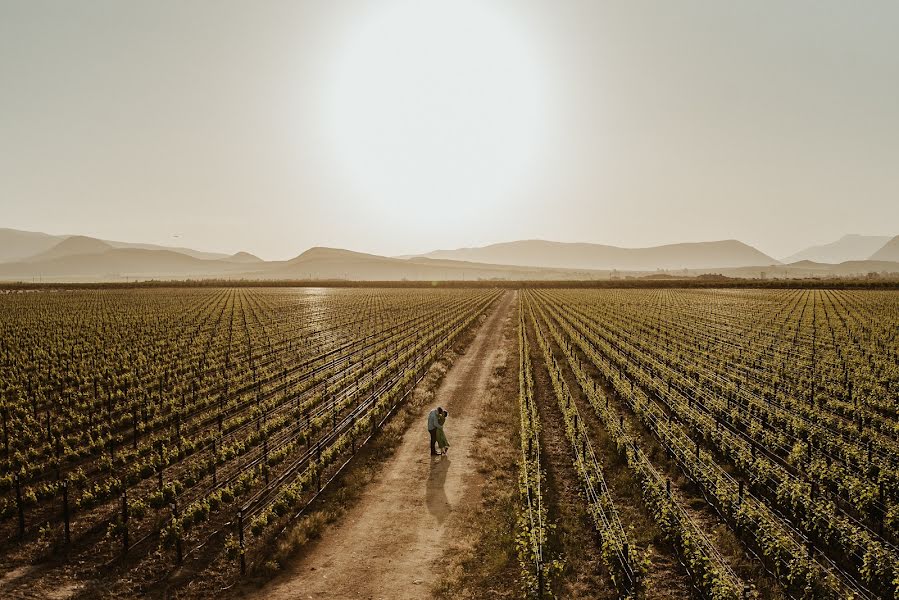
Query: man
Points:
[433, 424]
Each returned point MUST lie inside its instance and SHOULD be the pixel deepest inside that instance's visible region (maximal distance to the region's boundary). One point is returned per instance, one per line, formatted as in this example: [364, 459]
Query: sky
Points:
[403, 126]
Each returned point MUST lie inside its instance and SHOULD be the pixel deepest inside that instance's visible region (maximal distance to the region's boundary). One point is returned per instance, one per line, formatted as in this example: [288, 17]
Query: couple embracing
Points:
[436, 419]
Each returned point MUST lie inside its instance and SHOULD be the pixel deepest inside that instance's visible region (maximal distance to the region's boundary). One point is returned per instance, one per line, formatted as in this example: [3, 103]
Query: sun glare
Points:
[435, 109]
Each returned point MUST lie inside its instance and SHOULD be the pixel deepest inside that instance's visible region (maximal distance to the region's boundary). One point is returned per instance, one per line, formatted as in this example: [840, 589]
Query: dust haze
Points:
[367, 126]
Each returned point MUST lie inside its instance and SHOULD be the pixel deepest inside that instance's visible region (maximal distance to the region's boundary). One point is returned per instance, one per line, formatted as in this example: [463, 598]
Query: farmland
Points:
[759, 427]
[668, 443]
[144, 430]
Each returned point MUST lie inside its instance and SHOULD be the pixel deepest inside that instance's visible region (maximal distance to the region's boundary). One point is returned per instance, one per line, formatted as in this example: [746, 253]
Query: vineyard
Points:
[154, 437]
[684, 443]
[760, 428]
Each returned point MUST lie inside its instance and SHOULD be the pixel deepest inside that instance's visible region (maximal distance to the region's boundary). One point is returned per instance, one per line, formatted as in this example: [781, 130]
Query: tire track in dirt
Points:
[389, 543]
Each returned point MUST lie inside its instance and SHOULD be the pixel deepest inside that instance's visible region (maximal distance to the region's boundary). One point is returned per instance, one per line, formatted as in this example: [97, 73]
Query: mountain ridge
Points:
[243, 257]
[585, 255]
[83, 258]
[851, 246]
[76, 245]
[18, 244]
[889, 251]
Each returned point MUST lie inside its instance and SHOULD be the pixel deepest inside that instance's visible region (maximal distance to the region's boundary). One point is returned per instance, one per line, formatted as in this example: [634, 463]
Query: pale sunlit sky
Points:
[402, 126]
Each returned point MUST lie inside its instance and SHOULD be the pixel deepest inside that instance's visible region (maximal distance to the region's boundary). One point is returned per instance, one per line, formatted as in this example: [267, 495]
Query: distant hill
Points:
[848, 247]
[76, 245]
[889, 251]
[540, 253]
[334, 263]
[87, 259]
[17, 245]
[807, 268]
[82, 258]
[243, 257]
[119, 263]
[188, 251]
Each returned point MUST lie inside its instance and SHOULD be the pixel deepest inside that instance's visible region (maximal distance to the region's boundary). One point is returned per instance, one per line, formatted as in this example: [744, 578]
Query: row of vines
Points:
[778, 407]
[144, 430]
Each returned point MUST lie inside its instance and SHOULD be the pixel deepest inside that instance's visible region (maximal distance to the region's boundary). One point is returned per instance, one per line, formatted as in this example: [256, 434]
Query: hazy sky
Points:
[405, 126]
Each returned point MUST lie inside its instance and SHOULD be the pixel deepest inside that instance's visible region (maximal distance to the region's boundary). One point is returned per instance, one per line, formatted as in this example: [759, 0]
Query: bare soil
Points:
[481, 560]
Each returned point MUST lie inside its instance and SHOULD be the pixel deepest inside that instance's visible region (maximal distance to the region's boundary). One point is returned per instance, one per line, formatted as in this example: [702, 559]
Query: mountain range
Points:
[849, 247]
[541, 253]
[17, 245]
[889, 251]
[27, 256]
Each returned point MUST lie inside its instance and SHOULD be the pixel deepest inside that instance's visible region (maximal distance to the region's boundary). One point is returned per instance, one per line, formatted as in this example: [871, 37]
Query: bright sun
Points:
[435, 110]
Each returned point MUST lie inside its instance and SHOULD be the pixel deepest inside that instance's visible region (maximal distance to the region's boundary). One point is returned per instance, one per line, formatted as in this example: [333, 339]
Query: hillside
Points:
[91, 260]
[807, 268]
[17, 245]
[848, 247]
[118, 263]
[77, 245]
[81, 258]
[180, 250]
[243, 257]
[889, 251]
[333, 263]
[540, 253]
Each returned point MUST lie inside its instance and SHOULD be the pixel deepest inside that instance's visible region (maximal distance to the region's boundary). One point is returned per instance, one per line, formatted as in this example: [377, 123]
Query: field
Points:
[143, 430]
[664, 443]
[759, 428]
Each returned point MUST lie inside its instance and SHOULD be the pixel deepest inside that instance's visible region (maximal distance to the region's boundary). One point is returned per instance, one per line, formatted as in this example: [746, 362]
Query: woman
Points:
[441, 436]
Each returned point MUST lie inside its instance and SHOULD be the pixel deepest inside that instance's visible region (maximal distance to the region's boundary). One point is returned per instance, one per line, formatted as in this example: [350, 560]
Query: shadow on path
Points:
[436, 500]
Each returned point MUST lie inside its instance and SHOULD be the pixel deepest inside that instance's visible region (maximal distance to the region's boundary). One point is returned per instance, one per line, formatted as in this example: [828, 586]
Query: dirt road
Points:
[388, 545]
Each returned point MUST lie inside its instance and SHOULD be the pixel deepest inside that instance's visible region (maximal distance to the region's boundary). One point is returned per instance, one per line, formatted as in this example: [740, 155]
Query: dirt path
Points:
[387, 545]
